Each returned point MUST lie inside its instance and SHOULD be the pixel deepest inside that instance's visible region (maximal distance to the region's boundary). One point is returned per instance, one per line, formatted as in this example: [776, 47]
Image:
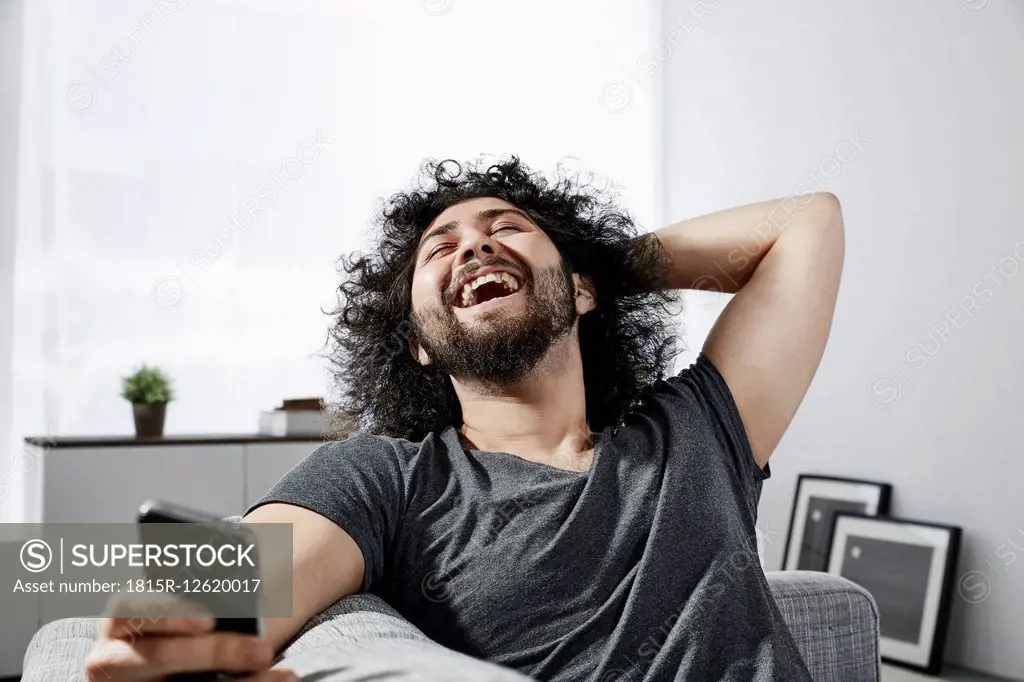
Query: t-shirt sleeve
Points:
[356, 483]
[703, 380]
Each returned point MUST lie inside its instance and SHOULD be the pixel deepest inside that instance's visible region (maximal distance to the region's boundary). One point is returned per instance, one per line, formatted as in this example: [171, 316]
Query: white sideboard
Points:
[104, 480]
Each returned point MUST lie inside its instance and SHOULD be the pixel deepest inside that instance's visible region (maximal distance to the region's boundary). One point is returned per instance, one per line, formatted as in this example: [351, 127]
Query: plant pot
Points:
[149, 420]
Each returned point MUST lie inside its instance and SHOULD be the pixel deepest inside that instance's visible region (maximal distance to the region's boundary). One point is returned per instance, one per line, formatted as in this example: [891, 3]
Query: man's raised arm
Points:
[783, 259]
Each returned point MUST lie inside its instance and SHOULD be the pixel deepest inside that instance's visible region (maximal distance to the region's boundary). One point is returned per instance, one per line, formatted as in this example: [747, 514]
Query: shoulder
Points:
[698, 387]
[381, 451]
[362, 447]
[698, 400]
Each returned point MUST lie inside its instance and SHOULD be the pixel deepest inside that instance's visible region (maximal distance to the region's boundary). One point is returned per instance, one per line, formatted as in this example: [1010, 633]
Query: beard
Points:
[501, 347]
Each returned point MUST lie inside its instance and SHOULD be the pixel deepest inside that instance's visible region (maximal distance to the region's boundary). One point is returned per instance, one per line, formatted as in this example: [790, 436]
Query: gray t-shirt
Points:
[643, 567]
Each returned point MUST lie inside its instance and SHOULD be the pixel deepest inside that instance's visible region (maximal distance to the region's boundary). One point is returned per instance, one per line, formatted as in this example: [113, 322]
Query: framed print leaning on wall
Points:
[818, 499]
[909, 568]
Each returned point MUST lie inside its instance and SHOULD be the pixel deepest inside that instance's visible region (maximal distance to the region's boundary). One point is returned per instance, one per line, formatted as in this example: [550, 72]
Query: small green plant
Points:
[147, 386]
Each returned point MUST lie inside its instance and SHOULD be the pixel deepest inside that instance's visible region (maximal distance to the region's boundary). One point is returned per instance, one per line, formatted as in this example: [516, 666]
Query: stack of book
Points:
[295, 417]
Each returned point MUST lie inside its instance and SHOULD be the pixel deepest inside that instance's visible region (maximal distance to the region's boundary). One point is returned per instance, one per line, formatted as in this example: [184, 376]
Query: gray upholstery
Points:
[834, 622]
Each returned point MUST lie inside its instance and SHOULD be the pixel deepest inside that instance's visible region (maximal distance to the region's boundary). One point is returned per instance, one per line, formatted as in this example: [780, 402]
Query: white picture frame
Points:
[908, 567]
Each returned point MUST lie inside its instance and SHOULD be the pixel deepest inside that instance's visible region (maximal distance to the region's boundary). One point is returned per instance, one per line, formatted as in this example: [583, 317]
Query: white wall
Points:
[11, 21]
[147, 133]
[913, 389]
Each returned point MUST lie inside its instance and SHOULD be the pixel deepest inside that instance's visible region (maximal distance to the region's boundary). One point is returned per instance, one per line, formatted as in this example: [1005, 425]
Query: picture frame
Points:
[909, 568]
[816, 501]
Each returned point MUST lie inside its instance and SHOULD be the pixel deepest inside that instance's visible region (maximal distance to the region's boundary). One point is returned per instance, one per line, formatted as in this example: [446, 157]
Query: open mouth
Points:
[486, 288]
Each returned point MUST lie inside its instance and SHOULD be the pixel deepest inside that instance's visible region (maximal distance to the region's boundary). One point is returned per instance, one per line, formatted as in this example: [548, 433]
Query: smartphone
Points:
[206, 529]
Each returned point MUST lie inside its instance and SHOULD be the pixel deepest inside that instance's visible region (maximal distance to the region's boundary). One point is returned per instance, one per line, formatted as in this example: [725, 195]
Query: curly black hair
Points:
[626, 343]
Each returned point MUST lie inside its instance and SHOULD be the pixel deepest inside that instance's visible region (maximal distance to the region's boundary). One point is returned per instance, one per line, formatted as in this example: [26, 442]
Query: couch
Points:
[834, 621]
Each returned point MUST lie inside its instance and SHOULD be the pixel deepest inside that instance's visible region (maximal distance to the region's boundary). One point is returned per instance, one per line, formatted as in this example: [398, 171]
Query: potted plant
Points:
[148, 390]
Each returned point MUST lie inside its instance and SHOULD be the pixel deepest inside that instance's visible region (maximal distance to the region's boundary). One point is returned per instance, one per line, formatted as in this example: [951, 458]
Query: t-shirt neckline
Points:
[456, 435]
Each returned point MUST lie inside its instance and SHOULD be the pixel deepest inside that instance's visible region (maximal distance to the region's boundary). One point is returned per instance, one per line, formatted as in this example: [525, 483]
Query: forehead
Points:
[464, 211]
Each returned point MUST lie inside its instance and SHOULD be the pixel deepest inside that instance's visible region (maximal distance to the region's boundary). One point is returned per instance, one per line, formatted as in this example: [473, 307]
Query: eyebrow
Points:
[487, 214]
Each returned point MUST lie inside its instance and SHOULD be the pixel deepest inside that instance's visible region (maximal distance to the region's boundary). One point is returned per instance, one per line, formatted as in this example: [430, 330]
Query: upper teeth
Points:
[510, 283]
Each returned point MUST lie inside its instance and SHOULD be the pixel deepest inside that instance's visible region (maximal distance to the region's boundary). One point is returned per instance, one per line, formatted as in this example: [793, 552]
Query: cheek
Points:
[425, 290]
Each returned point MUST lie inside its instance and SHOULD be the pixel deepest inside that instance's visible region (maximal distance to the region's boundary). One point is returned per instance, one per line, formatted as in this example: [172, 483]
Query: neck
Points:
[541, 418]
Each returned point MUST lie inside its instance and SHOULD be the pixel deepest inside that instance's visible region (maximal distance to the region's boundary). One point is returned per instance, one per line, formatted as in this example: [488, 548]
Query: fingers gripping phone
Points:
[207, 529]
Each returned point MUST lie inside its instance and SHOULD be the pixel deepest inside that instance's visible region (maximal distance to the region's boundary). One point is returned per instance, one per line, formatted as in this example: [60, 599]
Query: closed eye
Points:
[439, 249]
[501, 227]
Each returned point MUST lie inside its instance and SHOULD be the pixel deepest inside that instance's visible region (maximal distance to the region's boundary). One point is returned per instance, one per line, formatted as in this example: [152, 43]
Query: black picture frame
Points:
[810, 552]
[909, 567]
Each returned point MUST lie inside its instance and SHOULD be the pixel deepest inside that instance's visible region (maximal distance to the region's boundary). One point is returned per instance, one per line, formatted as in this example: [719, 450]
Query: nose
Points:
[477, 244]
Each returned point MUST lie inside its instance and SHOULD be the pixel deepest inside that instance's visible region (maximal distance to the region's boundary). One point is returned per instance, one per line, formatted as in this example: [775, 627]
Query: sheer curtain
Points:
[190, 172]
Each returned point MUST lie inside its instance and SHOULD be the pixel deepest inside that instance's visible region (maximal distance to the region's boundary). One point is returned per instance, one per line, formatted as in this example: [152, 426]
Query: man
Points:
[526, 487]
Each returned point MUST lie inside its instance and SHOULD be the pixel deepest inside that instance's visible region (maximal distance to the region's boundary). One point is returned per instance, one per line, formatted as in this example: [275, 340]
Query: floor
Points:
[892, 673]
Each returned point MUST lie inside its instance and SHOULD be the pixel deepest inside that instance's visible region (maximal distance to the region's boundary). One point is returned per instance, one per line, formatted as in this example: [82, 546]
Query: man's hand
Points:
[131, 646]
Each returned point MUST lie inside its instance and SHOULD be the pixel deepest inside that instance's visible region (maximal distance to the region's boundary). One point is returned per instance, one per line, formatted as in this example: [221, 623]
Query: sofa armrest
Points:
[58, 651]
[834, 622]
[356, 618]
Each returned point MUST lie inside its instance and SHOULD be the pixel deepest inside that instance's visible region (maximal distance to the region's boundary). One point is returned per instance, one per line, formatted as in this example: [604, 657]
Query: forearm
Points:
[720, 251]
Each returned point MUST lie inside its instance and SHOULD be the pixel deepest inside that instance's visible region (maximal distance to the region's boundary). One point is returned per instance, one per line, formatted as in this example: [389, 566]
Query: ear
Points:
[586, 299]
[418, 353]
